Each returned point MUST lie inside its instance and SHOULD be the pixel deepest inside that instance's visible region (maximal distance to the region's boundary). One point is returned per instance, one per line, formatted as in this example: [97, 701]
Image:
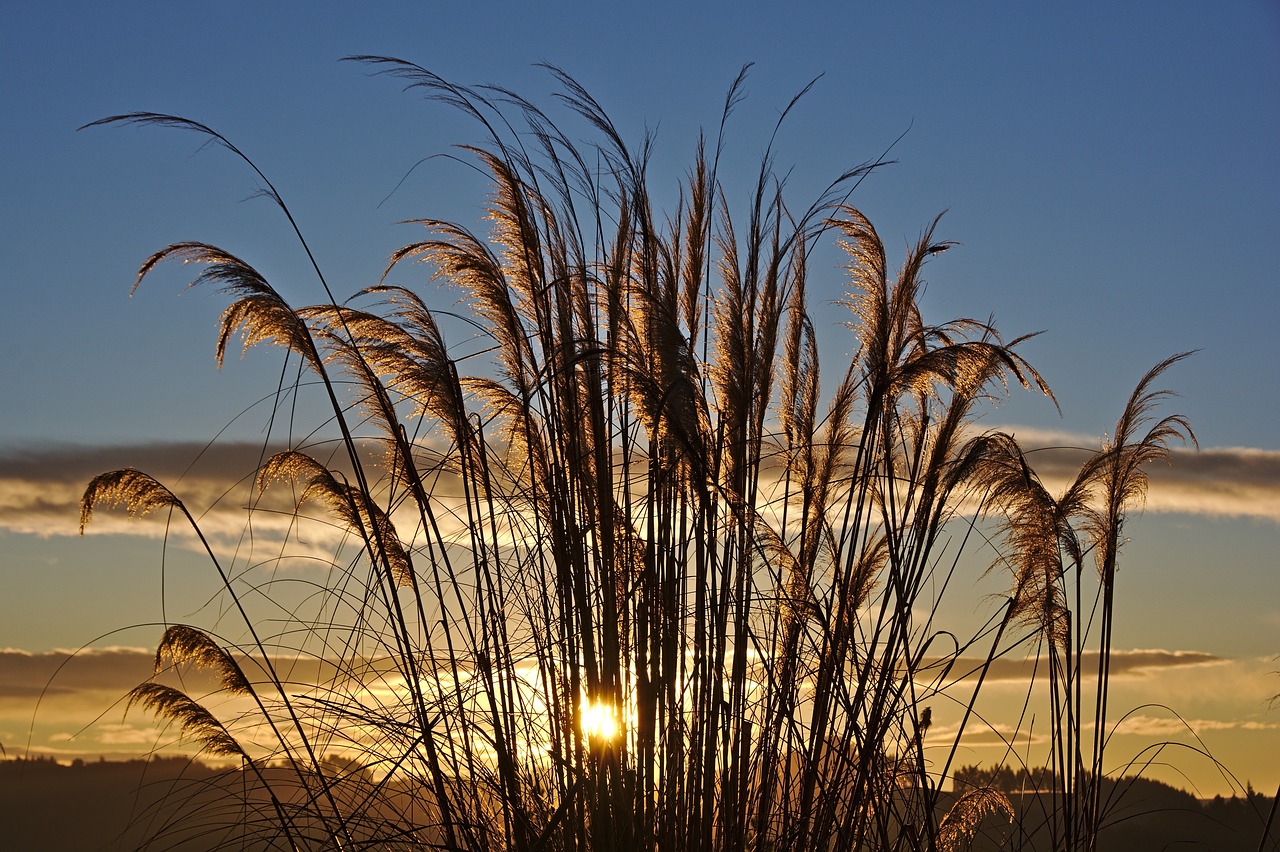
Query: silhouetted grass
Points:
[634, 572]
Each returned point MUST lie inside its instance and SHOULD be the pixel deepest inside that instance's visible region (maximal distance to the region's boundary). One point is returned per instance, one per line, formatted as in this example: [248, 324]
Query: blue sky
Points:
[1112, 172]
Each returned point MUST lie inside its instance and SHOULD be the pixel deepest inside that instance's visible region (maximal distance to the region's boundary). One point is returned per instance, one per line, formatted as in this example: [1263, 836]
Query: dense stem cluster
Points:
[636, 580]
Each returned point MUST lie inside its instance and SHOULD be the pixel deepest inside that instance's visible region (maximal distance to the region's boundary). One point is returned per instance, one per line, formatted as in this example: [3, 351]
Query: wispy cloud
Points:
[1239, 482]
[62, 675]
[1166, 728]
[41, 486]
[1172, 726]
[1124, 664]
[123, 734]
[72, 703]
[25, 675]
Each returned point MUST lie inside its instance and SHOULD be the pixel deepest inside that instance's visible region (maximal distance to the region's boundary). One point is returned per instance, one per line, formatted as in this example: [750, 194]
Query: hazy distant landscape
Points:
[182, 804]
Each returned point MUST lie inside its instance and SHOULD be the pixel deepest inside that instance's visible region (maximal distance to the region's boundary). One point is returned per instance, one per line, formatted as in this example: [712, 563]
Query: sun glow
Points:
[599, 721]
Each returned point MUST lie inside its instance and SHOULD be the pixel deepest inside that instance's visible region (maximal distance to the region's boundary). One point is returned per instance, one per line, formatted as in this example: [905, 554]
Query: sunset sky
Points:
[1111, 171]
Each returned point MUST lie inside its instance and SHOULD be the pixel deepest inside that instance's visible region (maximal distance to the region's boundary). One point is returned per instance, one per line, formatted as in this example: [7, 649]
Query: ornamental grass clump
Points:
[633, 571]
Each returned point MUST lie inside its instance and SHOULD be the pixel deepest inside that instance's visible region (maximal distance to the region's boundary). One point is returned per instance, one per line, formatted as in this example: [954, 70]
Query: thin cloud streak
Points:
[1124, 664]
[82, 711]
[40, 487]
[1165, 726]
[23, 673]
[1227, 482]
[60, 673]
[979, 733]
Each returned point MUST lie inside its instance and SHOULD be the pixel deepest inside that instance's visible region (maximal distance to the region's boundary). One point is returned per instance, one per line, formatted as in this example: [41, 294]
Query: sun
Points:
[599, 721]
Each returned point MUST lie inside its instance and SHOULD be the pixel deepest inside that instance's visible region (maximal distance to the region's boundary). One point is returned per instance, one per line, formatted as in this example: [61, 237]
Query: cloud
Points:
[73, 704]
[122, 734]
[980, 732]
[41, 488]
[1165, 728]
[25, 675]
[1172, 726]
[64, 675]
[69, 675]
[1138, 663]
[1241, 482]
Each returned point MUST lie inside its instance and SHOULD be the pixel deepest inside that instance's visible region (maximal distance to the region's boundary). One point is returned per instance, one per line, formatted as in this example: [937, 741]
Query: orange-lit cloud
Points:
[1124, 664]
[1170, 726]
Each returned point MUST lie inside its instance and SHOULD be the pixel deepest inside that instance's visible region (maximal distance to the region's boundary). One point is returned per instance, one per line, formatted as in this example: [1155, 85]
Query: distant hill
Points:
[183, 804]
[175, 803]
[1141, 814]
[112, 805]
